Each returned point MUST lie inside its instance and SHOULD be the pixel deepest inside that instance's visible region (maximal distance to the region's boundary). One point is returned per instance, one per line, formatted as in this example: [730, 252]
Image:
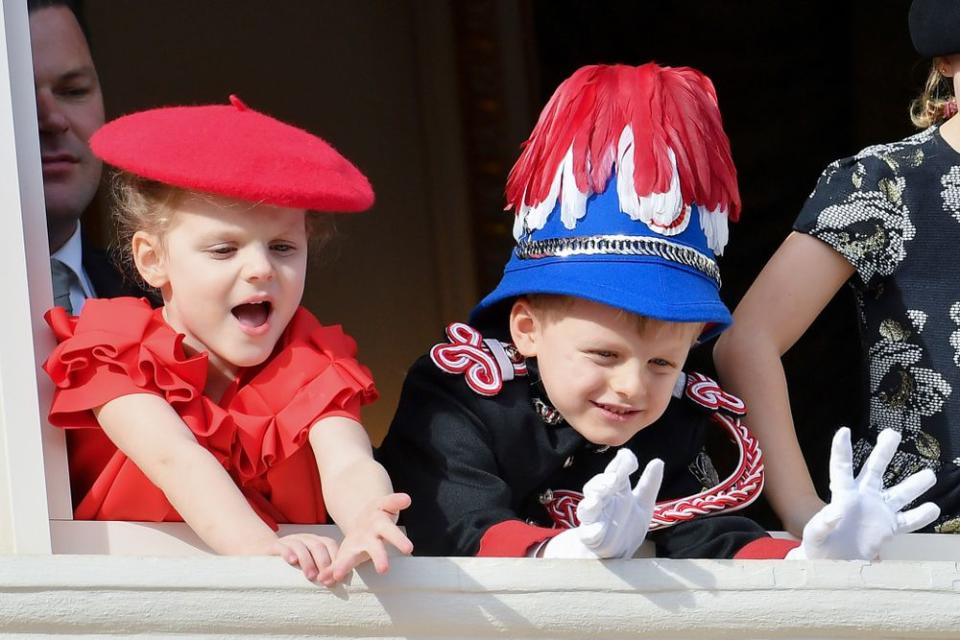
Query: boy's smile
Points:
[607, 372]
[615, 412]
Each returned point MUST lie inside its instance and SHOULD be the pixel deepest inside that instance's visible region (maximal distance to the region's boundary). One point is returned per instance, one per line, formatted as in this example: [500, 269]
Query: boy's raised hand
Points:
[367, 537]
[862, 515]
[614, 517]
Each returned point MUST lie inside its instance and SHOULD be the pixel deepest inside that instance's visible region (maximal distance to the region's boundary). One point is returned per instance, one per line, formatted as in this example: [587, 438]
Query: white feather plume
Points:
[573, 202]
[715, 227]
[536, 216]
[658, 210]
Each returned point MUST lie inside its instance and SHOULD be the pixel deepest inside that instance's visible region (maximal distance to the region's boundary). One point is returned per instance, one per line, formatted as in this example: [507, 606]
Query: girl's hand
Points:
[313, 554]
[376, 525]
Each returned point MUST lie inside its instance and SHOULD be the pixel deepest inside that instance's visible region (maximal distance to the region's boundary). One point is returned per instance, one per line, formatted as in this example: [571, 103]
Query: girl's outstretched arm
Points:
[788, 295]
[358, 494]
[148, 430]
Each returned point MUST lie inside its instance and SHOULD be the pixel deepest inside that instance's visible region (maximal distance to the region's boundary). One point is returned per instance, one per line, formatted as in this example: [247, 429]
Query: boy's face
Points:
[608, 377]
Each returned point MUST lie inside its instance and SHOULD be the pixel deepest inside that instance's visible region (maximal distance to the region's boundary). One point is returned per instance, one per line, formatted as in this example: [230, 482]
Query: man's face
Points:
[606, 376]
[69, 110]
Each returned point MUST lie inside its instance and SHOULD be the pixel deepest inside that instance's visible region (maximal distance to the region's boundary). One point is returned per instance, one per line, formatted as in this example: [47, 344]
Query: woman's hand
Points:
[862, 515]
[373, 528]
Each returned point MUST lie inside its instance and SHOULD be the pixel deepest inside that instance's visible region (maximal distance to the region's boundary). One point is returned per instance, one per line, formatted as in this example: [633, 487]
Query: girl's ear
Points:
[525, 327]
[148, 258]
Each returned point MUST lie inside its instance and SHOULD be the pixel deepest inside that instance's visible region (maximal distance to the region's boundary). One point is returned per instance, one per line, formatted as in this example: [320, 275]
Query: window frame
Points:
[32, 455]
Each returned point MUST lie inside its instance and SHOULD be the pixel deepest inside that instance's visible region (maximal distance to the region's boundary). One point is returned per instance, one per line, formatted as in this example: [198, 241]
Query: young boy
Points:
[522, 434]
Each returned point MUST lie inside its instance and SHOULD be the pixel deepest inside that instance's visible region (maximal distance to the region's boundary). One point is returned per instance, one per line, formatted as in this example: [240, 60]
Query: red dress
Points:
[258, 431]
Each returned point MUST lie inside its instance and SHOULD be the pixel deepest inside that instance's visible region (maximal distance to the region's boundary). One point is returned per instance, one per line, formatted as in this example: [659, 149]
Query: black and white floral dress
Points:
[893, 211]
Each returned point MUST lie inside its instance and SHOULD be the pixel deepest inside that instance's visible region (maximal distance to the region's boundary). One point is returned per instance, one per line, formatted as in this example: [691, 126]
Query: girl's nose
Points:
[257, 265]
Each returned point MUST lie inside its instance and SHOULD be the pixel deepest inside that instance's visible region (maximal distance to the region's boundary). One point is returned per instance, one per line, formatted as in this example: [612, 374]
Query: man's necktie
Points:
[63, 279]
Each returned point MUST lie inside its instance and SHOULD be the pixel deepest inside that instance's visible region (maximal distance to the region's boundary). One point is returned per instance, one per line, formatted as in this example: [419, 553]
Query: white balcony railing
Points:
[219, 597]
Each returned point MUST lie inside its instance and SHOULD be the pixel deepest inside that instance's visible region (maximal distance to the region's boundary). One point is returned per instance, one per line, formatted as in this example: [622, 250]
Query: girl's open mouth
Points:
[253, 316]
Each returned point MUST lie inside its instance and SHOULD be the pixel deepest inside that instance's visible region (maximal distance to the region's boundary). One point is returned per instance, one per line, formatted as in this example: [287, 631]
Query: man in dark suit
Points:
[69, 110]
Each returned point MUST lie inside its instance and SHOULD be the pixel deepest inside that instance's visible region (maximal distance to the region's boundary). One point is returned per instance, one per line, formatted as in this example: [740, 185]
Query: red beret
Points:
[232, 150]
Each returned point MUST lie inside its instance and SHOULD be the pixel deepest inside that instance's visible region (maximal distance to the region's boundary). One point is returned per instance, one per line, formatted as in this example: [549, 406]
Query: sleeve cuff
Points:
[766, 549]
[512, 539]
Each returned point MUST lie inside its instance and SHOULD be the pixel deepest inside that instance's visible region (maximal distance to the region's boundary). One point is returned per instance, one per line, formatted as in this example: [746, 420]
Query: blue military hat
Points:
[622, 196]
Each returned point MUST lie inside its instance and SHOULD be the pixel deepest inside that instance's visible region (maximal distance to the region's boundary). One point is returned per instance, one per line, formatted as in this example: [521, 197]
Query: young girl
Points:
[203, 410]
[887, 221]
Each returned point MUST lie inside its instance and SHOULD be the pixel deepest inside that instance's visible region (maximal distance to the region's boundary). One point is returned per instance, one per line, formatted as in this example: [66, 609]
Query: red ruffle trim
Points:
[121, 346]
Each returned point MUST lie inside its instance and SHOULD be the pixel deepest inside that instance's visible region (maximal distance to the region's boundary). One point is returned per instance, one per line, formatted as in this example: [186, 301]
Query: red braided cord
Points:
[738, 490]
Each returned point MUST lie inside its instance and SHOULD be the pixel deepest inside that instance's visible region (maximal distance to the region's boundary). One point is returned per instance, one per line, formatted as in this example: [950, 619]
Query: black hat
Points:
[935, 27]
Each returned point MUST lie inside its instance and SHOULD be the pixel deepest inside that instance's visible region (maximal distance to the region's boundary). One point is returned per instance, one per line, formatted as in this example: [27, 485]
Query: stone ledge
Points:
[220, 597]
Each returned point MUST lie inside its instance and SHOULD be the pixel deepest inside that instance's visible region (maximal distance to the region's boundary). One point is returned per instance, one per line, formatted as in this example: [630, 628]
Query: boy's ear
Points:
[525, 327]
[148, 258]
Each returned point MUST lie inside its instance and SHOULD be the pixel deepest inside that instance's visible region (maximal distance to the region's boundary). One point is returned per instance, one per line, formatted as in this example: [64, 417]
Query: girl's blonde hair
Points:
[936, 103]
[141, 204]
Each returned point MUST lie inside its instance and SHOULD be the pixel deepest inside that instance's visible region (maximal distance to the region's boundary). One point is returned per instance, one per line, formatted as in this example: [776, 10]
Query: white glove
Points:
[862, 515]
[613, 517]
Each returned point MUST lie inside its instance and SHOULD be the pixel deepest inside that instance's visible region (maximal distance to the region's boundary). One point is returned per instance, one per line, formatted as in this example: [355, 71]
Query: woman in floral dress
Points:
[885, 221]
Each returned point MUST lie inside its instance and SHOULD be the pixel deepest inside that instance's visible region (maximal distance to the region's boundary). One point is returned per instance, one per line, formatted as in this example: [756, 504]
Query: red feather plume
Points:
[667, 108]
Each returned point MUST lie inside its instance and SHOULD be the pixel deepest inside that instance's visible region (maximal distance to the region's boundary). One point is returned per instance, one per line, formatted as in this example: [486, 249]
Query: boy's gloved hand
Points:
[613, 517]
[862, 515]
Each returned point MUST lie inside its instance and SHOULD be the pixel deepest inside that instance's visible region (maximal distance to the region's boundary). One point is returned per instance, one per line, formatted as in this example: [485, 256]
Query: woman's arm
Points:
[358, 494]
[791, 291]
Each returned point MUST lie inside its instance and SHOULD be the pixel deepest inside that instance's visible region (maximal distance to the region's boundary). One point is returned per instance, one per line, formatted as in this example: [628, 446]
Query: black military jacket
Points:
[473, 456]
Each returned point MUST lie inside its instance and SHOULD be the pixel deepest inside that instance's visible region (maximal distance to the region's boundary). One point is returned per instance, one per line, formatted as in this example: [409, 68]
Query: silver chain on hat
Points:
[620, 245]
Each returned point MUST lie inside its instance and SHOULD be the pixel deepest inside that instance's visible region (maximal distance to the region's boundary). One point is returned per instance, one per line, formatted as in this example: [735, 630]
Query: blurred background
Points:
[432, 98]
